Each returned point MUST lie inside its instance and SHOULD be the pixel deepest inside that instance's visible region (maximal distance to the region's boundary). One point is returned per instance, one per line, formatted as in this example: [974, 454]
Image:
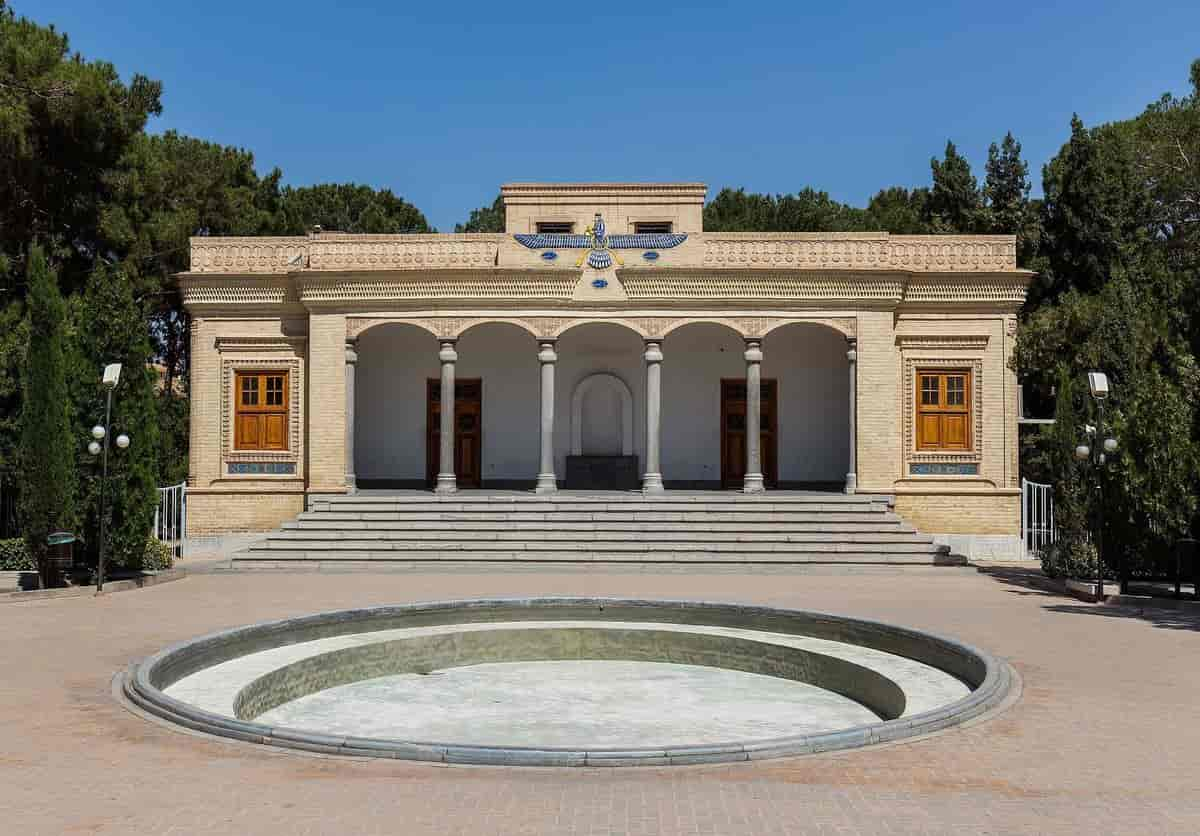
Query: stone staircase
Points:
[776, 527]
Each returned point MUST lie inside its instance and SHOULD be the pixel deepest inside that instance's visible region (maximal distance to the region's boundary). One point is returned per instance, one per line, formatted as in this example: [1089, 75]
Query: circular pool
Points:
[569, 681]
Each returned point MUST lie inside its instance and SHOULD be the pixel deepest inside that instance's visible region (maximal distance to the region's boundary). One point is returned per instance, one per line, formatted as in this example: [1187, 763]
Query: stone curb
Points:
[124, 585]
[990, 679]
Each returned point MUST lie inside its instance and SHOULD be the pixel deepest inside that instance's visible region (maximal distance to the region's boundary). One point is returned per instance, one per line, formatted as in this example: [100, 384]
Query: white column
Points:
[652, 481]
[753, 480]
[547, 481]
[852, 470]
[351, 365]
[446, 482]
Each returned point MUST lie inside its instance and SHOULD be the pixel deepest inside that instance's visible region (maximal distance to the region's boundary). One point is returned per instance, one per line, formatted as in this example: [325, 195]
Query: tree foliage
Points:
[111, 327]
[485, 218]
[47, 461]
[347, 207]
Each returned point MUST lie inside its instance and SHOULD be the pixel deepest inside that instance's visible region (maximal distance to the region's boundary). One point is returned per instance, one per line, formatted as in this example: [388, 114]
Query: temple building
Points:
[606, 341]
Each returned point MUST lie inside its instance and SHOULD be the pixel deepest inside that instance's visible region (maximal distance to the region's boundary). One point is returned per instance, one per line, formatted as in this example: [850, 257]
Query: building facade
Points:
[605, 340]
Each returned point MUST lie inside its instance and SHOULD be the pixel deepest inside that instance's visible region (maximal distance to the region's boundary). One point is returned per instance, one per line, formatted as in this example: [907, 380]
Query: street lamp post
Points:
[100, 433]
[1097, 454]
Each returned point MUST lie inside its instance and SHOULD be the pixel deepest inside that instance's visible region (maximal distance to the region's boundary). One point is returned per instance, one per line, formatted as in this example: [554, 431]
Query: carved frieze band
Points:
[551, 328]
[942, 341]
[899, 252]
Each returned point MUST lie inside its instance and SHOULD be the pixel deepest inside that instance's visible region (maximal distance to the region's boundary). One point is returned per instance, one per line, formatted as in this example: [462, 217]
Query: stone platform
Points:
[786, 527]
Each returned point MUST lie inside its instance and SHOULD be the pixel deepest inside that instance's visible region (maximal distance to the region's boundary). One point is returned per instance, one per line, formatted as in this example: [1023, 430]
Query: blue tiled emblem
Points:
[600, 284]
[650, 255]
[549, 255]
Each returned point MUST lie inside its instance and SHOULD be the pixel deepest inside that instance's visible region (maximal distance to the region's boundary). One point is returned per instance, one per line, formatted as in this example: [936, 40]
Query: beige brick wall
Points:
[327, 403]
[223, 512]
[878, 409]
[962, 513]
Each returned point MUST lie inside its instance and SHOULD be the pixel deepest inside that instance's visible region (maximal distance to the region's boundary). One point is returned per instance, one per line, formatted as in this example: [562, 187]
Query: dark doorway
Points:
[733, 432]
[468, 435]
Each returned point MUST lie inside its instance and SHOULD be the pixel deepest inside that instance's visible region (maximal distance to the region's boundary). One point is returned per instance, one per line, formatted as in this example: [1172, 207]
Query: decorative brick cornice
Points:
[282, 343]
[403, 252]
[871, 251]
[235, 292]
[940, 341]
[680, 284]
[490, 285]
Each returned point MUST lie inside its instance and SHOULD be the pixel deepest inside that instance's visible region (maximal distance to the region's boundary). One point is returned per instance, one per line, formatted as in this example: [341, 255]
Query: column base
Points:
[851, 482]
[753, 483]
[653, 483]
[546, 483]
[351, 483]
[446, 483]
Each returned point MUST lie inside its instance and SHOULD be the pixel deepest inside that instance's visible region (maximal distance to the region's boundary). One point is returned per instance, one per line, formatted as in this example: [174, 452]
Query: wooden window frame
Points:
[966, 409]
[550, 230]
[668, 227]
[262, 408]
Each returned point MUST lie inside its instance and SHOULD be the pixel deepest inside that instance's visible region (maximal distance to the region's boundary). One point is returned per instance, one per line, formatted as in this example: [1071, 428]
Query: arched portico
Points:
[678, 406]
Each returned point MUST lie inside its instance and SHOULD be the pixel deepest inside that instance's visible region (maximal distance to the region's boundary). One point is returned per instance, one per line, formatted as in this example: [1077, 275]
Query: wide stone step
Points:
[584, 545]
[606, 498]
[600, 507]
[679, 535]
[321, 523]
[603, 516]
[366, 559]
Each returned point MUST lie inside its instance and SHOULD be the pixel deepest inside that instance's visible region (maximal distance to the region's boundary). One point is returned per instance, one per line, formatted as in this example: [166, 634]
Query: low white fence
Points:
[1037, 516]
[170, 517]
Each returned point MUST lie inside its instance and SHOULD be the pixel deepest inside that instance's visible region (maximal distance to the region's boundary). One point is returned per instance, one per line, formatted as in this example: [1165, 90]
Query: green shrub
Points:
[1069, 557]
[15, 556]
[158, 556]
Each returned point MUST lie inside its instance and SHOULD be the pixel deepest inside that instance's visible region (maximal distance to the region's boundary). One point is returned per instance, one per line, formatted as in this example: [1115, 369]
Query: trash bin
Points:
[60, 554]
[1187, 566]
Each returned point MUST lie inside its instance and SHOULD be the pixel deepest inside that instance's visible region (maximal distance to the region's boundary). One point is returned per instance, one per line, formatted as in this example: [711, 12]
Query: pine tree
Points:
[112, 329]
[954, 203]
[47, 442]
[1006, 192]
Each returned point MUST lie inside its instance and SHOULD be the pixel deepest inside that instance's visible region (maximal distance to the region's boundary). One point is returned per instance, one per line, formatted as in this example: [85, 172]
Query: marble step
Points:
[320, 522]
[364, 559]
[605, 498]
[602, 516]
[461, 545]
[377, 535]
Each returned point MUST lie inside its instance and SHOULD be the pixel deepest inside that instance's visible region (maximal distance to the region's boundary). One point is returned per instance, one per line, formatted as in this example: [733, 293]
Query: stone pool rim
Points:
[990, 679]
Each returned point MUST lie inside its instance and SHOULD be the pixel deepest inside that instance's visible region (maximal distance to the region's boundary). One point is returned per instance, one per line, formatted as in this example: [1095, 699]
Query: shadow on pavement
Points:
[1169, 619]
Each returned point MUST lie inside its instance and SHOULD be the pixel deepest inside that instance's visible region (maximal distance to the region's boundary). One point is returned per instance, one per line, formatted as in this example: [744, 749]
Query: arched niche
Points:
[598, 399]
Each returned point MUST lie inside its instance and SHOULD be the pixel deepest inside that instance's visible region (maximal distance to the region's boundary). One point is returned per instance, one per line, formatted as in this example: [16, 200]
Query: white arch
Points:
[581, 390]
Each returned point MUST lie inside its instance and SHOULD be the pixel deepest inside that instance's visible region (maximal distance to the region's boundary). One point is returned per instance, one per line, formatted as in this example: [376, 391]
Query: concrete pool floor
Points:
[573, 704]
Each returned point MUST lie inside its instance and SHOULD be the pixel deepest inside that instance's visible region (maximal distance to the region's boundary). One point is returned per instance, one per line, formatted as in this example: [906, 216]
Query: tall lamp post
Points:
[1098, 458]
[100, 433]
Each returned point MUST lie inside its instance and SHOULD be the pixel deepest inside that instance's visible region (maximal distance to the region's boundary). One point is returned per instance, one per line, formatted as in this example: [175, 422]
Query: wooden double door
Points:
[734, 429]
[468, 435]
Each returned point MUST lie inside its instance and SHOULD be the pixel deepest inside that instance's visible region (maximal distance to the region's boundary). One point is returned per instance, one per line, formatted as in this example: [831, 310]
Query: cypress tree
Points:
[47, 442]
[113, 328]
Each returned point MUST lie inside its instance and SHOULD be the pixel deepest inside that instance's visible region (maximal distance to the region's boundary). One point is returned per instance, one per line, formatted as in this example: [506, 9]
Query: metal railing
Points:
[170, 518]
[1037, 516]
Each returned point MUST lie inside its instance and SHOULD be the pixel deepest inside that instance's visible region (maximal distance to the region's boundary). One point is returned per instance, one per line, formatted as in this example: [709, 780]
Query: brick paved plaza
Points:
[1104, 739]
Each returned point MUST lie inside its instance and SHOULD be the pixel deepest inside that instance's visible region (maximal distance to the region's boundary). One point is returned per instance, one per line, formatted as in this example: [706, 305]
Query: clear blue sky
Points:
[444, 102]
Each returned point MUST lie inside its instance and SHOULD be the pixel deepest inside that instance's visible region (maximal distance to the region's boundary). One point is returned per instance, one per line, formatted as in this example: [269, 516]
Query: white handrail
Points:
[1037, 517]
[170, 518]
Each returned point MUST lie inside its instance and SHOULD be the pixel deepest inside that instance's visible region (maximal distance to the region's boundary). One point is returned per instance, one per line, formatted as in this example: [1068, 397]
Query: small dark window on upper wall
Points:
[556, 227]
[652, 227]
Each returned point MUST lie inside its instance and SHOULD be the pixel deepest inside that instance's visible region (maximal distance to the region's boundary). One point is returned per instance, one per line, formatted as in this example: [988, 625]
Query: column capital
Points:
[351, 350]
[753, 350]
[852, 349]
[447, 354]
[546, 352]
[653, 351]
